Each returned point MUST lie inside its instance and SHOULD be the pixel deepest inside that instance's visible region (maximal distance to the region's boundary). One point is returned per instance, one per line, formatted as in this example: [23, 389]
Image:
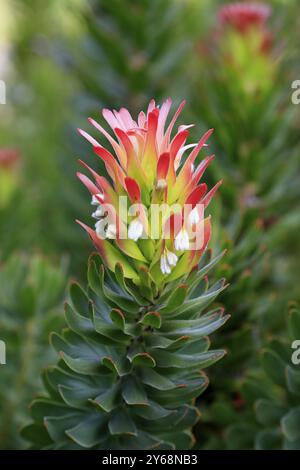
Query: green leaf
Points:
[121, 301]
[294, 323]
[187, 388]
[145, 276]
[57, 425]
[202, 360]
[181, 440]
[110, 331]
[27, 300]
[194, 306]
[121, 423]
[109, 399]
[120, 367]
[240, 436]
[79, 299]
[195, 329]
[133, 393]
[118, 318]
[93, 276]
[128, 286]
[274, 367]
[42, 407]
[176, 299]
[185, 417]
[114, 256]
[131, 249]
[152, 319]
[152, 412]
[205, 269]
[291, 445]
[290, 424]
[78, 323]
[36, 433]
[293, 380]
[143, 359]
[268, 440]
[89, 432]
[154, 379]
[268, 412]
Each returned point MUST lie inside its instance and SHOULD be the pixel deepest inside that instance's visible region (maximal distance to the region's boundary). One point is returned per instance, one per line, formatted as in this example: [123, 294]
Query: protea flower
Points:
[247, 17]
[9, 157]
[243, 16]
[149, 169]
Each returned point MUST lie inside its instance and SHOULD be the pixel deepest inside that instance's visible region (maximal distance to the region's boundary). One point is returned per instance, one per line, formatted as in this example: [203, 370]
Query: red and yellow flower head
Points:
[149, 166]
[9, 158]
[243, 16]
[247, 18]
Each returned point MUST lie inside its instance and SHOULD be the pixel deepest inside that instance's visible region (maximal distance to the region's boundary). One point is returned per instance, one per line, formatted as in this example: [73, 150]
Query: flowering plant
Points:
[131, 359]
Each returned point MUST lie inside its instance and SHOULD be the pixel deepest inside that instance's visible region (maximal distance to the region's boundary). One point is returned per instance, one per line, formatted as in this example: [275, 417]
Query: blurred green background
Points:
[62, 61]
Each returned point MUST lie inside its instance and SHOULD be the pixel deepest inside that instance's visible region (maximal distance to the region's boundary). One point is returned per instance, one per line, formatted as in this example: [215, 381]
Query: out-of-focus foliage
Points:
[243, 91]
[264, 413]
[37, 119]
[14, 213]
[137, 48]
[30, 292]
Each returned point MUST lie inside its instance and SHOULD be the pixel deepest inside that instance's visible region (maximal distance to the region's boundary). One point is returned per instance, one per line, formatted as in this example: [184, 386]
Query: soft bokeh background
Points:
[62, 61]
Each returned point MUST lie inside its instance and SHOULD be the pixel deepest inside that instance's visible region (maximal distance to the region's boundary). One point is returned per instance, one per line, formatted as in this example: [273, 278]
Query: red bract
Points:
[9, 157]
[244, 16]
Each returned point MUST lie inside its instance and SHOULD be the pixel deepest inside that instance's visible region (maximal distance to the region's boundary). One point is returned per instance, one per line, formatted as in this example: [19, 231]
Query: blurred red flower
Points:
[9, 157]
[243, 16]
